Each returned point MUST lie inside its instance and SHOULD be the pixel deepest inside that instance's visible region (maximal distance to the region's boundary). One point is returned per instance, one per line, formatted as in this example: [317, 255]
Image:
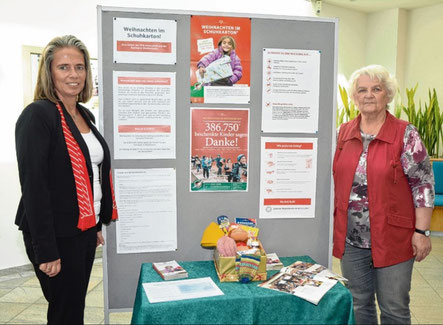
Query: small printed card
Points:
[273, 262]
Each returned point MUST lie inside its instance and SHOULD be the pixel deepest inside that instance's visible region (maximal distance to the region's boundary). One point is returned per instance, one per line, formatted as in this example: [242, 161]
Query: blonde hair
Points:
[375, 72]
[234, 45]
[45, 85]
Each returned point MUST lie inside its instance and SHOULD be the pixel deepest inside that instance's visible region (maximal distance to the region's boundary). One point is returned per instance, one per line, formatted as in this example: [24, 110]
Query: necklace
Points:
[74, 116]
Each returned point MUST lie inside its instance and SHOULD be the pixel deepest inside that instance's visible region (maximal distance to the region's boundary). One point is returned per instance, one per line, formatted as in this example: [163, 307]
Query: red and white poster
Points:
[288, 177]
[144, 115]
[220, 59]
[219, 149]
[149, 41]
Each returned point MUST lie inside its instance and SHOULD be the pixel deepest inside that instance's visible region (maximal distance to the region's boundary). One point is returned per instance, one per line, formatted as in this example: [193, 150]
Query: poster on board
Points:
[288, 177]
[220, 59]
[291, 90]
[148, 41]
[147, 210]
[144, 115]
[219, 149]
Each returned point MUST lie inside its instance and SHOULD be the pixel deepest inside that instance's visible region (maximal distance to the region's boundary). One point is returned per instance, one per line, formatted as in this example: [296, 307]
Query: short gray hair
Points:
[45, 85]
[374, 71]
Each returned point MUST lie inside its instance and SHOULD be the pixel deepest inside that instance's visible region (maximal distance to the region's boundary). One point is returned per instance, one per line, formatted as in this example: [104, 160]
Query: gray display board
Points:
[286, 237]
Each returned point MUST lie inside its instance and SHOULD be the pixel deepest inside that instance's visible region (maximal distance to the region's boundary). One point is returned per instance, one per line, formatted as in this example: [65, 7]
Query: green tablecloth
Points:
[241, 303]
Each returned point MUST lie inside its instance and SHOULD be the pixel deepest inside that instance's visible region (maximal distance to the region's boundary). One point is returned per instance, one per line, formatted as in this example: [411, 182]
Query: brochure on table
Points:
[170, 270]
[305, 280]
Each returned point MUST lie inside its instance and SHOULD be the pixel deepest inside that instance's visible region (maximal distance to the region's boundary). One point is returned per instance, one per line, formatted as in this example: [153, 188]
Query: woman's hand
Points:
[51, 269]
[421, 246]
[202, 71]
[100, 239]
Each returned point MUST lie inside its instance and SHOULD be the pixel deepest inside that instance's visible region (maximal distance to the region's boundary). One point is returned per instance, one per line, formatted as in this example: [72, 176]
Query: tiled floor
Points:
[22, 302]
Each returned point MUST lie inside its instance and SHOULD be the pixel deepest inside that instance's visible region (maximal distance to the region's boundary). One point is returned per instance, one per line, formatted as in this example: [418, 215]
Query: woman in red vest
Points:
[384, 195]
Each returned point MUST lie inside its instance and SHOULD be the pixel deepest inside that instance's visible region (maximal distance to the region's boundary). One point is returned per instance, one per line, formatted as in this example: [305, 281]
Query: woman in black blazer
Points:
[64, 169]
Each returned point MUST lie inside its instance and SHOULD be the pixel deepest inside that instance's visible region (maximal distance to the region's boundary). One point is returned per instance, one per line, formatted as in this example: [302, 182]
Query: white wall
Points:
[351, 40]
[382, 42]
[424, 62]
[381, 39]
[402, 42]
[35, 23]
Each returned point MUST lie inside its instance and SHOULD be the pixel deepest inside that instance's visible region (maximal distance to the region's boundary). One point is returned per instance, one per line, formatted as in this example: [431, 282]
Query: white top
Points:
[96, 153]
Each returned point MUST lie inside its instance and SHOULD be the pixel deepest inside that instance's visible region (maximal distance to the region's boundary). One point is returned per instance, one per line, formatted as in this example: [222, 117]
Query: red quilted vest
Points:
[391, 207]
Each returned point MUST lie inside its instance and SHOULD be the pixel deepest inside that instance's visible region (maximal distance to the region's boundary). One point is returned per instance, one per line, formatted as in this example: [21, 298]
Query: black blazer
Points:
[48, 207]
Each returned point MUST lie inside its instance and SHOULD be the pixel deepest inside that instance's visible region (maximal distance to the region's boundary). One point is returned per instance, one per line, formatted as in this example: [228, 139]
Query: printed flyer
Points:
[150, 41]
[144, 115]
[219, 149]
[288, 177]
[147, 210]
[291, 89]
[220, 59]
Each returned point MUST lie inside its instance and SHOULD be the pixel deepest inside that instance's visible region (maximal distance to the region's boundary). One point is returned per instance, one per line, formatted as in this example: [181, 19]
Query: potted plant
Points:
[348, 111]
[428, 121]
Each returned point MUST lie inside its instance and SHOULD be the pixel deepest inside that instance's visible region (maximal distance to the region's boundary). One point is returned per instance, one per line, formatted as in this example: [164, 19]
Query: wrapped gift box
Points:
[225, 267]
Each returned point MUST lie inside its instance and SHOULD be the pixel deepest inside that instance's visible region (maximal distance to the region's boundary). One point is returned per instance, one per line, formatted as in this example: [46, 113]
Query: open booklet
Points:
[305, 280]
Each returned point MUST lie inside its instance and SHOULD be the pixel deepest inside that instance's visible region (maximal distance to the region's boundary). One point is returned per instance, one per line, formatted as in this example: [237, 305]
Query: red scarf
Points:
[86, 218]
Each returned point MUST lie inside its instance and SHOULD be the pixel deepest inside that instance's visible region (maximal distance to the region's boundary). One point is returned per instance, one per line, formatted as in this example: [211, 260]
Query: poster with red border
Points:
[145, 41]
[220, 83]
[288, 177]
[144, 115]
[219, 149]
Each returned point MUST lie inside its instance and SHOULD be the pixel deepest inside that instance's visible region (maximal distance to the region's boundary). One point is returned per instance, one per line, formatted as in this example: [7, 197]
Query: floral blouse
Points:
[417, 168]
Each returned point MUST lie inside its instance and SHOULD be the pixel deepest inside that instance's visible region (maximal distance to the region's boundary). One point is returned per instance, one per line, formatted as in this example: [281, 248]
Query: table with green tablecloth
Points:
[241, 303]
